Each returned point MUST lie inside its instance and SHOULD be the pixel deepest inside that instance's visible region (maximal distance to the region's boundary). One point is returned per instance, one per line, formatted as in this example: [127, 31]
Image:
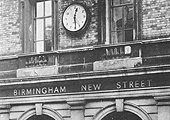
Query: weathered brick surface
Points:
[156, 19]
[90, 36]
[10, 42]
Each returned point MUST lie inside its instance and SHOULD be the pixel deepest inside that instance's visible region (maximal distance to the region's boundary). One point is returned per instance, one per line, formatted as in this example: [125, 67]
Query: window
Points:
[121, 21]
[43, 22]
[40, 25]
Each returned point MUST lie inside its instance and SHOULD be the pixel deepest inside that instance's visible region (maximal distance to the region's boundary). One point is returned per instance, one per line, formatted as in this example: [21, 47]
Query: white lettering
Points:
[124, 84]
[83, 88]
[38, 90]
[23, 92]
[44, 90]
[97, 86]
[118, 85]
[50, 90]
[131, 84]
[56, 90]
[91, 87]
[149, 82]
[136, 84]
[63, 89]
[29, 91]
[15, 92]
[142, 83]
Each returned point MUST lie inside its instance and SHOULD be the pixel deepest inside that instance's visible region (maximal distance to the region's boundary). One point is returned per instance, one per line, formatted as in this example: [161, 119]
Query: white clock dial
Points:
[74, 17]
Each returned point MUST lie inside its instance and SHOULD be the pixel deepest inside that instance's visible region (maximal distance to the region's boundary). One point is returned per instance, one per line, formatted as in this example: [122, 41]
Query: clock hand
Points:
[75, 16]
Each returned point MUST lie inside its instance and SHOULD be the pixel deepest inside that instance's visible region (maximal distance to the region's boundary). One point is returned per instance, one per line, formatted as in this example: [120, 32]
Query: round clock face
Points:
[75, 17]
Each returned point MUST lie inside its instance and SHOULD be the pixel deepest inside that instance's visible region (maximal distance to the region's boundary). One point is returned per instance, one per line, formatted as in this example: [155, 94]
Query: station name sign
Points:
[84, 85]
[81, 87]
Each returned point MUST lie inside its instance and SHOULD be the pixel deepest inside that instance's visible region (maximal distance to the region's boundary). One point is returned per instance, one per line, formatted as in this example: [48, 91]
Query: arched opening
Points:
[121, 116]
[47, 114]
[40, 117]
[130, 112]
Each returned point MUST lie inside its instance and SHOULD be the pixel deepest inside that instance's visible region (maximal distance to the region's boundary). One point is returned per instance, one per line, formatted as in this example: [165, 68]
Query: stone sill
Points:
[9, 57]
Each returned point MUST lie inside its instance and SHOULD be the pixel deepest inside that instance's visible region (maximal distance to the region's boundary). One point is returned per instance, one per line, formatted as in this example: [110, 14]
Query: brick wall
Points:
[156, 19]
[90, 36]
[10, 42]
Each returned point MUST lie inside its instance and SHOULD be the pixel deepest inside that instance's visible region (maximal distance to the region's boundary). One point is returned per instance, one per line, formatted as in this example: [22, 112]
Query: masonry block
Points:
[38, 71]
[116, 64]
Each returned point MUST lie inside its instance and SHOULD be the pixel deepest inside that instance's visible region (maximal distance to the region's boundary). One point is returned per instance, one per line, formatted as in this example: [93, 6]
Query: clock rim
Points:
[86, 21]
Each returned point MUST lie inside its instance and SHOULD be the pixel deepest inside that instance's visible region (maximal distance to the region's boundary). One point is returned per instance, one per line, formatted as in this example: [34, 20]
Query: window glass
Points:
[39, 29]
[40, 46]
[122, 21]
[43, 26]
[48, 8]
[40, 9]
[128, 1]
[118, 2]
[48, 45]
[48, 28]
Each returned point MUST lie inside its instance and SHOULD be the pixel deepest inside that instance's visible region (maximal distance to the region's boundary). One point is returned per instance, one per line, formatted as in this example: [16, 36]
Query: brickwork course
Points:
[90, 36]
[156, 19]
[10, 42]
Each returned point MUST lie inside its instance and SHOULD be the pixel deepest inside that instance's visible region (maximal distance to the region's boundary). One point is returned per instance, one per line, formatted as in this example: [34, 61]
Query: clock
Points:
[75, 17]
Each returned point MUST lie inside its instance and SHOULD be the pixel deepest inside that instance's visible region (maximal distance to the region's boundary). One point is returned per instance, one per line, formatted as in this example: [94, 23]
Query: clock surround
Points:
[76, 18]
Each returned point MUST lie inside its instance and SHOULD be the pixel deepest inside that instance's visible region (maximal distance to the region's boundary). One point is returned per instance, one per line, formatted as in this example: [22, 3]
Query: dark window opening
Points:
[121, 116]
[40, 117]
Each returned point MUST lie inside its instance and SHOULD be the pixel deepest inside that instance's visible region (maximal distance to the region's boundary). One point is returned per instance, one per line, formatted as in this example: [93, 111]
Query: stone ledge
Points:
[38, 71]
[117, 64]
[8, 74]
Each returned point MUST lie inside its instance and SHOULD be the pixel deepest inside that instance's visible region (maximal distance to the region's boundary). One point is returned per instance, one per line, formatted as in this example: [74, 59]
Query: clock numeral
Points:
[67, 13]
[84, 16]
[82, 11]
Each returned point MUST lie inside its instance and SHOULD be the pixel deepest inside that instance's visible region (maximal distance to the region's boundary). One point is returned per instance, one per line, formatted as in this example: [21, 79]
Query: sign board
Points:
[85, 85]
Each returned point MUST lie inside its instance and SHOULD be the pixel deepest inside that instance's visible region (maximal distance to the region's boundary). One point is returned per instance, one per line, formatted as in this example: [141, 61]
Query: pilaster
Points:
[77, 109]
[4, 112]
[163, 103]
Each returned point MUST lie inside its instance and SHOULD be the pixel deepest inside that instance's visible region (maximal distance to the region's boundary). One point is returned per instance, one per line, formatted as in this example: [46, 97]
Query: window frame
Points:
[29, 26]
[44, 18]
[107, 21]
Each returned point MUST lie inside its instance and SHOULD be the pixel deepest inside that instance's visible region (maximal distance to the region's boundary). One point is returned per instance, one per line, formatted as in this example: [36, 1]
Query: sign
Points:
[86, 85]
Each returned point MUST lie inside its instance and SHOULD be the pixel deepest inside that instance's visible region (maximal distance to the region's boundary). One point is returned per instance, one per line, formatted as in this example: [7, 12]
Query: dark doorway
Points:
[40, 117]
[121, 116]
